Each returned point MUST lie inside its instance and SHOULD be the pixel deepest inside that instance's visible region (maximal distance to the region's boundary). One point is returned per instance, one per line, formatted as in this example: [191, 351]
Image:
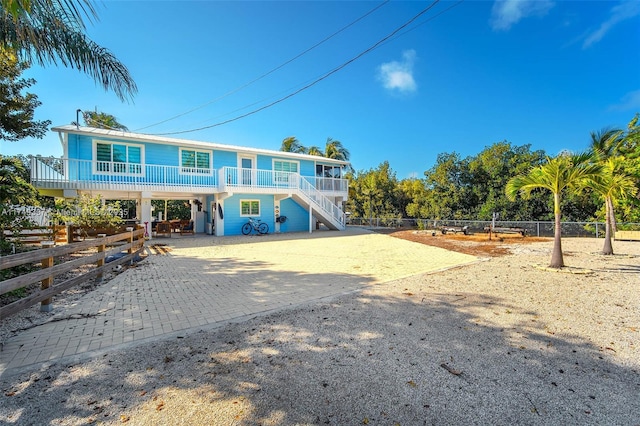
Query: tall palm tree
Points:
[334, 149]
[612, 184]
[291, 144]
[52, 31]
[605, 144]
[565, 172]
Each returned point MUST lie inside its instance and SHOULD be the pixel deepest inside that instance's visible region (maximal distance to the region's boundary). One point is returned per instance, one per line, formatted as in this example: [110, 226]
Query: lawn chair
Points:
[163, 228]
[187, 228]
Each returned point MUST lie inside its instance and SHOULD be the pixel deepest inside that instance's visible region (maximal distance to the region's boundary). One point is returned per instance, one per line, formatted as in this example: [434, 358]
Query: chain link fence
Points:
[532, 228]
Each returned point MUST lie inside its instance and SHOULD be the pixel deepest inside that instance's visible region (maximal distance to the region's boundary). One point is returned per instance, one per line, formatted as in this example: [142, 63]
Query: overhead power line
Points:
[323, 77]
[231, 92]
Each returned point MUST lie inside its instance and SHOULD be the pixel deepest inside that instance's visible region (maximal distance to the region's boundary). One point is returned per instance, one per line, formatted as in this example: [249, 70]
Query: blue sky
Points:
[459, 78]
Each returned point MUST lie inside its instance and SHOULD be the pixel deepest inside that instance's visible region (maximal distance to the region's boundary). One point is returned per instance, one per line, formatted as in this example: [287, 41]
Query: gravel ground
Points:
[504, 341]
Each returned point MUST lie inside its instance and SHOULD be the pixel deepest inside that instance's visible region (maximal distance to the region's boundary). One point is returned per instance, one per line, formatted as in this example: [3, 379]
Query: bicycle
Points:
[255, 225]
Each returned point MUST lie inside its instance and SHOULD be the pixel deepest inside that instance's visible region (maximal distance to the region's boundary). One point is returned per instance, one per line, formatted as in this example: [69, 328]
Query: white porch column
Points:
[310, 219]
[145, 211]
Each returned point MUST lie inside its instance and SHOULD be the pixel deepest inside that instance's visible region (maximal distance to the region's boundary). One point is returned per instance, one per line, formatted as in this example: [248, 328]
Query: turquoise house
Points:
[225, 184]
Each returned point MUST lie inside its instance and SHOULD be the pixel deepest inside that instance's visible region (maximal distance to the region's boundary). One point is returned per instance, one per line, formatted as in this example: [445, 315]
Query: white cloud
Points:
[506, 13]
[621, 12]
[629, 102]
[398, 75]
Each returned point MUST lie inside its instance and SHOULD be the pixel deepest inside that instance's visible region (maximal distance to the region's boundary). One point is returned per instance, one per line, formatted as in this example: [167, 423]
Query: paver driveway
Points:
[204, 281]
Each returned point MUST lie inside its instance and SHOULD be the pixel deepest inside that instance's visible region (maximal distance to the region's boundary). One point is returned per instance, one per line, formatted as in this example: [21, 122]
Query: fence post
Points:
[45, 305]
[597, 230]
[538, 228]
[130, 239]
[101, 248]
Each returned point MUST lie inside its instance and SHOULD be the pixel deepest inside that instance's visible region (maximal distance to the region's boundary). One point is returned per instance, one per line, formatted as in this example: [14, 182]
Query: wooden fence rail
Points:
[35, 235]
[132, 242]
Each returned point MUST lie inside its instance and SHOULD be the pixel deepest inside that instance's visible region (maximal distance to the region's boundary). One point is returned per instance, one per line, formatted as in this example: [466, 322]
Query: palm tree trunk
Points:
[557, 261]
[614, 226]
[608, 248]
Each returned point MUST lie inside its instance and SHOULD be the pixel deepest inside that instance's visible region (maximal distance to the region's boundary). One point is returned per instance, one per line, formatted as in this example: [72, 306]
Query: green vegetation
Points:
[53, 32]
[87, 212]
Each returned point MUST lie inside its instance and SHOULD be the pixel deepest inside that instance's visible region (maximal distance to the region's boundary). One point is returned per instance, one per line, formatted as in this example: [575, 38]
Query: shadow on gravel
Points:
[410, 359]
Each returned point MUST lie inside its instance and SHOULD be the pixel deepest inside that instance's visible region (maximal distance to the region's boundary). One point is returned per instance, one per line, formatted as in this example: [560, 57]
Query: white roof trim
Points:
[139, 137]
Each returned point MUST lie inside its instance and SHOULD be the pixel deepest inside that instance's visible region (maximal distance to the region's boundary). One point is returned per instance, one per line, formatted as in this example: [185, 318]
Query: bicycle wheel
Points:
[246, 229]
[263, 228]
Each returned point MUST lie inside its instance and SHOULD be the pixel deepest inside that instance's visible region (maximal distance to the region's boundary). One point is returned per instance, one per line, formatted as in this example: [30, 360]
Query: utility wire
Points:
[311, 79]
[333, 71]
[268, 72]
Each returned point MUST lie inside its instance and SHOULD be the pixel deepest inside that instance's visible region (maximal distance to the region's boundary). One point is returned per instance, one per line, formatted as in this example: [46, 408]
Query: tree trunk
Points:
[612, 213]
[608, 248]
[557, 260]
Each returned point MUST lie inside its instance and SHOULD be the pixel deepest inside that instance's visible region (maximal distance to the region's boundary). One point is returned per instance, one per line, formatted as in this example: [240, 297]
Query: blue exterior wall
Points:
[297, 216]
[224, 159]
[233, 221]
[81, 147]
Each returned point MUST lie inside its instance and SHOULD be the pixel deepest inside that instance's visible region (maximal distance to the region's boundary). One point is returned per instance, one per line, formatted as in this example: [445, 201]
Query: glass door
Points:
[246, 170]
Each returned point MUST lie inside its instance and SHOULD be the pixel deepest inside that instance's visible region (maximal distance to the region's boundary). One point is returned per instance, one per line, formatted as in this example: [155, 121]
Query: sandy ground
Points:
[503, 341]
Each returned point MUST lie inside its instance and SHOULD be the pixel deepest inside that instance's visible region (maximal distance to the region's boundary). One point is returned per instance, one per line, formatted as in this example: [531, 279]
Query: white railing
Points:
[329, 208]
[87, 174]
[82, 173]
[251, 180]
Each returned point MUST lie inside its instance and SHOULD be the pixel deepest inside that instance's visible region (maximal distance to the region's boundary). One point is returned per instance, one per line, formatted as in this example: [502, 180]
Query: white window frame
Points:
[283, 178]
[183, 170]
[94, 162]
[250, 214]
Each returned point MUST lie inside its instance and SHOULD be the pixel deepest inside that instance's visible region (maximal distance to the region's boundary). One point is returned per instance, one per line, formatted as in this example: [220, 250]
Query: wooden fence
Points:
[37, 234]
[114, 245]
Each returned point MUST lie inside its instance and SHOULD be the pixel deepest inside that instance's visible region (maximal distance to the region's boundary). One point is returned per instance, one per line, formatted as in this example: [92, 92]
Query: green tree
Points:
[15, 189]
[291, 144]
[53, 32]
[102, 120]
[86, 211]
[612, 184]
[335, 150]
[17, 108]
[564, 173]
[373, 193]
[605, 145]
[315, 150]
[413, 198]
[629, 208]
[489, 172]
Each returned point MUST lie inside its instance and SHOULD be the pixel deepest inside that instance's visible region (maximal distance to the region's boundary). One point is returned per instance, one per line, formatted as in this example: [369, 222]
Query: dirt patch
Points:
[473, 244]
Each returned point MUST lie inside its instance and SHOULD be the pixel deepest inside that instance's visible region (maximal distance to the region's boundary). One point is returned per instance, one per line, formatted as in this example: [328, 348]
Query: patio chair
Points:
[163, 228]
[187, 229]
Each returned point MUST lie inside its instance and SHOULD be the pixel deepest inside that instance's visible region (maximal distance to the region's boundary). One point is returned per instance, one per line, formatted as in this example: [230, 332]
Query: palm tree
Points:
[291, 144]
[605, 144]
[314, 150]
[564, 172]
[334, 149]
[102, 120]
[49, 31]
[612, 184]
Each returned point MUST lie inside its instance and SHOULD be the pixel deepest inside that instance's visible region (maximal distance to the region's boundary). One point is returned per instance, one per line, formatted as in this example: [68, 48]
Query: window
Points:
[249, 207]
[328, 171]
[118, 158]
[282, 169]
[194, 161]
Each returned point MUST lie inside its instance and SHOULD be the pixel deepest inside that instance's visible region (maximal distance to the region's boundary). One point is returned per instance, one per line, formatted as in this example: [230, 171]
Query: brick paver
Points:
[205, 281]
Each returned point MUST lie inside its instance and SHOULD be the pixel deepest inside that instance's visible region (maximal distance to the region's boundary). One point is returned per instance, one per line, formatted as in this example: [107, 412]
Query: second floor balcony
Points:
[119, 176]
